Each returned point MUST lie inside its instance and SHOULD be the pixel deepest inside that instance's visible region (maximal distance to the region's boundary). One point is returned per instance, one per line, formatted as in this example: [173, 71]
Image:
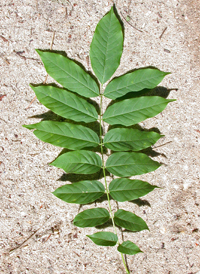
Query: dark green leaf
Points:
[92, 217]
[128, 248]
[129, 221]
[66, 104]
[69, 74]
[106, 47]
[132, 111]
[146, 78]
[104, 238]
[124, 139]
[83, 192]
[65, 135]
[79, 162]
[124, 189]
[126, 164]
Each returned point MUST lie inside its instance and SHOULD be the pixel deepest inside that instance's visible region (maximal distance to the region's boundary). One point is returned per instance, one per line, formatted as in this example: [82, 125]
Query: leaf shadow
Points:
[74, 178]
[141, 202]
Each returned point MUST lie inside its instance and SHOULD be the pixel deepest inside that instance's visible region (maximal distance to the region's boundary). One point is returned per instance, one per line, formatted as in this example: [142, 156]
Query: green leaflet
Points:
[66, 104]
[124, 189]
[79, 162]
[146, 78]
[83, 192]
[126, 164]
[132, 111]
[128, 248]
[92, 217]
[106, 47]
[124, 139]
[70, 75]
[104, 238]
[129, 221]
[65, 135]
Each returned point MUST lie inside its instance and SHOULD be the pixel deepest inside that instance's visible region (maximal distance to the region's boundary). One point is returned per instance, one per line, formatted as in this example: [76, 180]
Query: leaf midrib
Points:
[72, 76]
[127, 86]
[134, 110]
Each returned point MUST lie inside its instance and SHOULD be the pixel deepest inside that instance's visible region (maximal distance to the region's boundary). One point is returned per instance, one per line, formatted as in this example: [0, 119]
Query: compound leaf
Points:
[92, 217]
[65, 135]
[128, 248]
[146, 78]
[132, 111]
[83, 192]
[123, 189]
[129, 221]
[124, 139]
[106, 47]
[69, 74]
[126, 164]
[79, 162]
[66, 104]
[104, 238]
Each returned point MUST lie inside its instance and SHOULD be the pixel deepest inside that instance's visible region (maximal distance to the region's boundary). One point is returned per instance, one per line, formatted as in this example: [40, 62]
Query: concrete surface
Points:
[36, 230]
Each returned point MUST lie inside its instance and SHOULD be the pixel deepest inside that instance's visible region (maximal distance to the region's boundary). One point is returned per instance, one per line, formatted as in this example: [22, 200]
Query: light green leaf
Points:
[104, 238]
[128, 248]
[124, 139]
[132, 111]
[83, 192]
[124, 189]
[66, 104]
[79, 162]
[65, 135]
[126, 164]
[146, 78]
[69, 74]
[92, 217]
[129, 221]
[106, 47]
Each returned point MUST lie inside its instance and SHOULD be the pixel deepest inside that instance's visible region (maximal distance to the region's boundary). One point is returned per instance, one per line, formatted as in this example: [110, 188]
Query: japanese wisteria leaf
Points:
[65, 103]
[69, 74]
[106, 47]
[104, 238]
[65, 135]
[123, 189]
[92, 217]
[132, 111]
[124, 139]
[146, 78]
[128, 248]
[129, 221]
[126, 164]
[83, 192]
[79, 162]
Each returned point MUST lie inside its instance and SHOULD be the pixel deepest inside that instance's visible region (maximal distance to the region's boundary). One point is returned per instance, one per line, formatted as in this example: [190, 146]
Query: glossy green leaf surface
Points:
[128, 248]
[146, 78]
[124, 139]
[132, 111]
[106, 47]
[69, 74]
[79, 162]
[66, 104]
[92, 217]
[65, 135]
[129, 221]
[124, 189]
[104, 238]
[83, 192]
[126, 164]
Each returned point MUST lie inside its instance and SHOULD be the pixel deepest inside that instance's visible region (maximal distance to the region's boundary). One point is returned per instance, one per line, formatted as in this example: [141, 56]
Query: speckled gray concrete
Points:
[28, 209]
